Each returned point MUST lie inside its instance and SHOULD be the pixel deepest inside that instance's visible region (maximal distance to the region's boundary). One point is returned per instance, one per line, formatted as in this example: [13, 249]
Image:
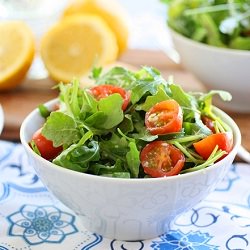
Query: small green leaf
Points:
[44, 112]
[34, 147]
[126, 125]
[224, 95]
[77, 157]
[111, 106]
[96, 72]
[149, 79]
[97, 119]
[133, 159]
[118, 76]
[161, 95]
[190, 108]
[61, 129]
[114, 148]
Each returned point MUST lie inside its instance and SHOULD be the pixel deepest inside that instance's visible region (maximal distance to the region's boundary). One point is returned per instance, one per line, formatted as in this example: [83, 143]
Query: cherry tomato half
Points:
[160, 159]
[45, 146]
[164, 117]
[105, 90]
[208, 122]
[206, 146]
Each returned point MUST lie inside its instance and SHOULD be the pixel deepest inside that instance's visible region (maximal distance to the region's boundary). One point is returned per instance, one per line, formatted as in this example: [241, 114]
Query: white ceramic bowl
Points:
[126, 209]
[1, 119]
[217, 68]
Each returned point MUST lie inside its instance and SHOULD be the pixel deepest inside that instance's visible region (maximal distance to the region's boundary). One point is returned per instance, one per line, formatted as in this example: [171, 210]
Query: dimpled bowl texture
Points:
[126, 209]
[1, 119]
[217, 68]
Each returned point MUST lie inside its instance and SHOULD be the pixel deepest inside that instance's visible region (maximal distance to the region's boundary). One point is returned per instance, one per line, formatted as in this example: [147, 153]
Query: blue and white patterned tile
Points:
[47, 225]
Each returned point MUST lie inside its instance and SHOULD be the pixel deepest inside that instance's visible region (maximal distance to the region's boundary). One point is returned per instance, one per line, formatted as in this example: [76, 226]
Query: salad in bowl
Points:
[224, 24]
[132, 125]
[132, 152]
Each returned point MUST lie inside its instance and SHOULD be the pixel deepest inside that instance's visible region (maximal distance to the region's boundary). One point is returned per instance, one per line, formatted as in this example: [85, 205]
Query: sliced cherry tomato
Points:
[160, 159]
[105, 90]
[208, 122]
[206, 146]
[164, 117]
[45, 146]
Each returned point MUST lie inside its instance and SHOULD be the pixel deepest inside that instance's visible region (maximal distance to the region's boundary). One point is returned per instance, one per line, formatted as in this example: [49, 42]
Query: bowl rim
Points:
[1, 119]
[236, 52]
[48, 164]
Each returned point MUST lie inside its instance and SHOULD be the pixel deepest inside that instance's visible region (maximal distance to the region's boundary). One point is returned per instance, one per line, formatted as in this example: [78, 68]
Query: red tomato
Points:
[208, 122]
[103, 91]
[45, 146]
[164, 117]
[206, 146]
[160, 159]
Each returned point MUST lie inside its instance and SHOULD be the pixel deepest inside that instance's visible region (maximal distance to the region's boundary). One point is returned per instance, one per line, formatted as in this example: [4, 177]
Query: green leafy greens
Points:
[221, 23]
[99, 138]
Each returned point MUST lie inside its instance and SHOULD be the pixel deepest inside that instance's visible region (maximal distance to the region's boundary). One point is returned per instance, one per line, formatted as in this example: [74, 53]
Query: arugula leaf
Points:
[207, 108]
[34, 147]
[65, 160]
[147, 83]
[96, 72]
[85, 153]
[96, 120]
[78, 157]
[205, 100]
[114, 148]
[190, 108]
[153, 99]
[68, 95]
[118, 76]
[43, 111]
[89, 103]
[133, 159]
[111, 106]
[61, 129]
[126, 125]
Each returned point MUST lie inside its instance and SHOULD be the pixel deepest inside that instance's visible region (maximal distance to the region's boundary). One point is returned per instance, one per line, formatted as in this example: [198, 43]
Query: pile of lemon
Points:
[90, 33]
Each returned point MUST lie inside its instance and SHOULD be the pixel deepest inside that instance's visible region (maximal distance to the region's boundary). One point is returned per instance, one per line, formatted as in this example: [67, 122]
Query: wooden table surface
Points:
[19, 102]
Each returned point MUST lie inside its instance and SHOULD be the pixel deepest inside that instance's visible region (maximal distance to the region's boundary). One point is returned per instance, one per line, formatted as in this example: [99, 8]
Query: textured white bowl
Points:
[126, 209]
[217, 68]
[1, 119]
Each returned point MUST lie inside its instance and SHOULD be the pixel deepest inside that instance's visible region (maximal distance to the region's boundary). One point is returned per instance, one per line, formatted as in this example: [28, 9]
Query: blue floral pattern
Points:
[31, 218]
[40, 224]
[177, 240]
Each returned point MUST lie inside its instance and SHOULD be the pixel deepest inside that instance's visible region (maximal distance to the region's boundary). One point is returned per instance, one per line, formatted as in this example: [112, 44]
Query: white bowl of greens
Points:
[105, 168]
[213, 42]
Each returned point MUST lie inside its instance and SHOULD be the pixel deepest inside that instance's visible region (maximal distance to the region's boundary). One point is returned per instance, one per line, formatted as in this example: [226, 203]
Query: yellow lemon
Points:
[17, 48]
[74, 45]
[112, 12]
